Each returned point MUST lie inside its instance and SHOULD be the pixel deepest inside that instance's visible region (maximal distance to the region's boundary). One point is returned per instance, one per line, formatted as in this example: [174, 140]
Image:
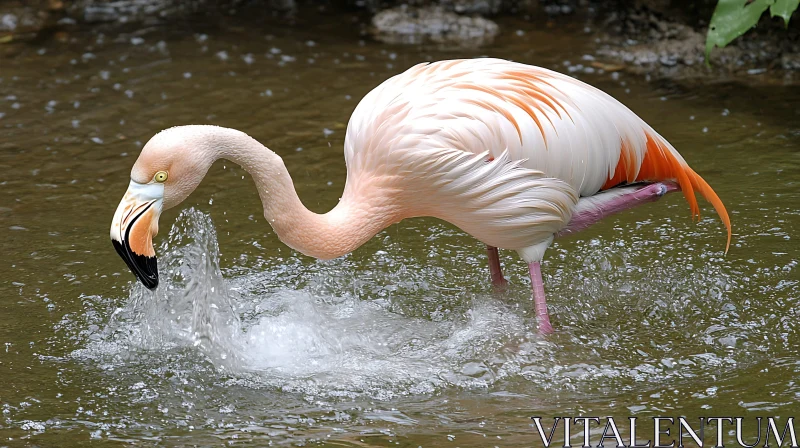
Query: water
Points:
[403, 341]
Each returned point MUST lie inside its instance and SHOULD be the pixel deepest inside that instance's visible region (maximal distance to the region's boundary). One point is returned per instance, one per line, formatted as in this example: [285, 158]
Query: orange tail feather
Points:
[659, 164]
[700, 185]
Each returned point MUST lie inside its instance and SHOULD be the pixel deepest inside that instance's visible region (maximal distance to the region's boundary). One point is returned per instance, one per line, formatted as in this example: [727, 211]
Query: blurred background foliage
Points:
[732, 18]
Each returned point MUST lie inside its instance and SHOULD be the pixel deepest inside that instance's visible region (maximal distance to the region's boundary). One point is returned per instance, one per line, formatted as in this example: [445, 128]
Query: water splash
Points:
[320, 344]
[194, 306]
[396, 334]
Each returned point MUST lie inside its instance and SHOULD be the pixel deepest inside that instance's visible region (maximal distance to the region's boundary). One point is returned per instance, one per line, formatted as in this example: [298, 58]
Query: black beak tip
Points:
[144, 268]
[150, 283]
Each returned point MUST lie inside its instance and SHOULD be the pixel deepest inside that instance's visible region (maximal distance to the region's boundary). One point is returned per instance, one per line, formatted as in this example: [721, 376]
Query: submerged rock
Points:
[650, 43]
[791, 61]
[410, 25]
[123, 11]
[472, 6]
[24, 20]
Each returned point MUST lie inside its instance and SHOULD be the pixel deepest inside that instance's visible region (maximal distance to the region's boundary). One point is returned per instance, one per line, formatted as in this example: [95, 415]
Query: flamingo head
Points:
[169, 168]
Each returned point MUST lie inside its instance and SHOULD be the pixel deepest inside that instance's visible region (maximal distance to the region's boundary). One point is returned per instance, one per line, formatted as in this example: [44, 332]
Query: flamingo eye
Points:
[161, 176]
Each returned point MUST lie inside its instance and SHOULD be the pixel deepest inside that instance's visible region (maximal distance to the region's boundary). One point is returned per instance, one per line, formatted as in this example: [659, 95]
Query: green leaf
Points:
[731, 19]
[784, 9]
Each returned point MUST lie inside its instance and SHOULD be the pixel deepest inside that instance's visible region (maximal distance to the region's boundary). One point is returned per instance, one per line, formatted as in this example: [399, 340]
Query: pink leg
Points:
[539, 302]
[494, 267]
[592, 209]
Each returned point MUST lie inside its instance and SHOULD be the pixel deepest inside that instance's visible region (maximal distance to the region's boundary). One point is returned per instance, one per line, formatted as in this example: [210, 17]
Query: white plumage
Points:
[556, 137]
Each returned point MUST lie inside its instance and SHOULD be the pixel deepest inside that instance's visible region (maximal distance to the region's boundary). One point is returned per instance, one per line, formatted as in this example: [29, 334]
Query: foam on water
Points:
[298, 340]
[358, 347]
[328, 336]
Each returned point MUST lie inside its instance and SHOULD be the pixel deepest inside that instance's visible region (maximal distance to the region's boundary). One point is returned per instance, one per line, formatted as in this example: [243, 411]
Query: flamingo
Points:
[512, 154]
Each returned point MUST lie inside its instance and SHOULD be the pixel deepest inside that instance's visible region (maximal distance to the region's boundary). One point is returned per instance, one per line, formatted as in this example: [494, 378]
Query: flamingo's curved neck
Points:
[340, 231]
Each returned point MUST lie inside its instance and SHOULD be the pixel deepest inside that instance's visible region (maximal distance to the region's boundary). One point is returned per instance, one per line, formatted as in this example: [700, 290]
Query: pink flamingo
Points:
[510, 153]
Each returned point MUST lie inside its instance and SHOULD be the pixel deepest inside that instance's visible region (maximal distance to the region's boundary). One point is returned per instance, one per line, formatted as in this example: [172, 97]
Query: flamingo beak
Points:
[133, 228]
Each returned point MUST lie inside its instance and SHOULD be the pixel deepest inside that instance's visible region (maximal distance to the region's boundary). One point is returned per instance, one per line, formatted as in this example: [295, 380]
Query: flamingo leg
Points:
[498, 281]
[539, 302]
[592, 209]
[588, 212]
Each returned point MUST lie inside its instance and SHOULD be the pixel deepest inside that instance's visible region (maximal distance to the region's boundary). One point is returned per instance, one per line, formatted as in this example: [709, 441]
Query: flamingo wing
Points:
[541, 120]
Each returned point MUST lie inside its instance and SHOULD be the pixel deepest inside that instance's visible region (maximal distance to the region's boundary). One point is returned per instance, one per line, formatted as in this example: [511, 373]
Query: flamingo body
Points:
[512, 154]
[502, 149]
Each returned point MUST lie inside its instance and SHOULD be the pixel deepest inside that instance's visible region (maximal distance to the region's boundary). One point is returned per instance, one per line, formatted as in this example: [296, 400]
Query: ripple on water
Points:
[339, 341]
[341, 345]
